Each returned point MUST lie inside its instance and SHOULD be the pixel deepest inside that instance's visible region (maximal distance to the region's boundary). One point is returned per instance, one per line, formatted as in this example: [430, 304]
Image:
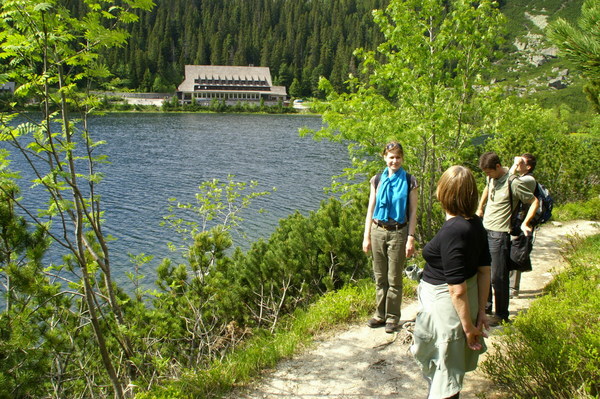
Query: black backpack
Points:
[544, 211]
[542, 214]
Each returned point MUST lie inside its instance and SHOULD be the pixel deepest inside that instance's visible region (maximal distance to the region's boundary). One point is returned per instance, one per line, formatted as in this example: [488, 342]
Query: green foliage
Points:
[77, 323]
[552, 350]
[585, 210]
[216, 204]
[25, 291]
[567, 163]
[305, 256]
[581, 44]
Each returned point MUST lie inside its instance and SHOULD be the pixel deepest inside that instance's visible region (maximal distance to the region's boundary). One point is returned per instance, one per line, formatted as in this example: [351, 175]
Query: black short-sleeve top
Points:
[456, 252]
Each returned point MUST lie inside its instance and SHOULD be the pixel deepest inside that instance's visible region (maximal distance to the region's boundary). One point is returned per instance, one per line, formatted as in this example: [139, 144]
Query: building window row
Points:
[226, 96]
[239, 82]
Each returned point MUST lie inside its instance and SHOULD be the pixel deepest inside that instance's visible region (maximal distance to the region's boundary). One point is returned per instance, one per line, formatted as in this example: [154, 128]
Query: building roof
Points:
[278, 90]
[221, 72]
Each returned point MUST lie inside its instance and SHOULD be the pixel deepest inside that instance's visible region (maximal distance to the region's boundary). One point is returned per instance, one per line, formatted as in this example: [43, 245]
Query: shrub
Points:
[553, 350]
[586, 210]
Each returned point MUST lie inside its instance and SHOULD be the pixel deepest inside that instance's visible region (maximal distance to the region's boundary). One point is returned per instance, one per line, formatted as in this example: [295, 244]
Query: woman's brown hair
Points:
[457, 191]
[393, 146]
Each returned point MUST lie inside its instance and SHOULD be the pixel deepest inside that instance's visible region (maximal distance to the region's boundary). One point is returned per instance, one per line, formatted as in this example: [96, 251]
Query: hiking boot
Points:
[514, 293]
[391, 327]
[376, 323]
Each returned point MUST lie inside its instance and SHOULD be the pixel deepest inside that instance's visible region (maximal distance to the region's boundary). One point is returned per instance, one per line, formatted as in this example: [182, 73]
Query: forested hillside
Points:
[299, 40]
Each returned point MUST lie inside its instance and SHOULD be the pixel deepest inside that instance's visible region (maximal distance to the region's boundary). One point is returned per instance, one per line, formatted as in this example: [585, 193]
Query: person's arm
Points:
[483, 287]
[460, 300]
[524, 190]
[525, 226]
[412, 222]
[482, 202]
[369, 218]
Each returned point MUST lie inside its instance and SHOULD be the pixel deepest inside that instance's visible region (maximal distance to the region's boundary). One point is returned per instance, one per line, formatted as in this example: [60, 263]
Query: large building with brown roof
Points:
[232, 84]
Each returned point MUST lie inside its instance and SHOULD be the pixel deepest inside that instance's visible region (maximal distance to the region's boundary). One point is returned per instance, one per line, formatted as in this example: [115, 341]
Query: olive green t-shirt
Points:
[498, 209]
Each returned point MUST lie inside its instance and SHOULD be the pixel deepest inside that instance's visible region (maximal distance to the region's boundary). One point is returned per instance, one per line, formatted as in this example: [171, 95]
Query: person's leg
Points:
[515, 283]
[396, 259]
[498, 243]
[380, 270]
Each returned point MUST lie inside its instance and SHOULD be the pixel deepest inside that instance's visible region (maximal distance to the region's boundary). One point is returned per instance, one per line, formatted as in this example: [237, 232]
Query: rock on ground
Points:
[359, 362]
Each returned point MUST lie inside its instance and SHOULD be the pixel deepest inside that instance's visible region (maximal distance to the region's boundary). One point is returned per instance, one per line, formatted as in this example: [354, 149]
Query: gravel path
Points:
[360, 362]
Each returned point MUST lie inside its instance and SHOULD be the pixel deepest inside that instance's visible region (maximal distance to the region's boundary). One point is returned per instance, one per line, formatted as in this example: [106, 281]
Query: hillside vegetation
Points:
[303, 40]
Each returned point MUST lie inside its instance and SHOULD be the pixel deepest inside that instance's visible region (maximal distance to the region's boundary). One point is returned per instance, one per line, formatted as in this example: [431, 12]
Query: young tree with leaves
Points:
[419, 89]
[53, 56]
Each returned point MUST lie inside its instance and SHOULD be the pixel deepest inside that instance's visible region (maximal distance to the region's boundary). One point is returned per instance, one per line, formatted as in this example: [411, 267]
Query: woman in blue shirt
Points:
[448, 335]
[389, 234]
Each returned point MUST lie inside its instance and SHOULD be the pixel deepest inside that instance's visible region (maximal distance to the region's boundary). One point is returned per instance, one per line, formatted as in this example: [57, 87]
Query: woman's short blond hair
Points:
[457, 191]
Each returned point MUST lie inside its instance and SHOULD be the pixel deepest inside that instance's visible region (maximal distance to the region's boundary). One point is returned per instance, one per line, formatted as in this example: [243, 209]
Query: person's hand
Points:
[483, 322]
[527, 230]
[473, 341]
[518, 161]
[410, 246]
[518, 166]
[479, 212]
[366, 246]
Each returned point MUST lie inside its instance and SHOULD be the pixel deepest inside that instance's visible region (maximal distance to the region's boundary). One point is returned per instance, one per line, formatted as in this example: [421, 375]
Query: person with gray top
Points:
[523, 166]
[496, 206]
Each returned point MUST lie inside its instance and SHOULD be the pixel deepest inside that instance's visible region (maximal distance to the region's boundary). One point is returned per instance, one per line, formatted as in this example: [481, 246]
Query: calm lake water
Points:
[158, 156]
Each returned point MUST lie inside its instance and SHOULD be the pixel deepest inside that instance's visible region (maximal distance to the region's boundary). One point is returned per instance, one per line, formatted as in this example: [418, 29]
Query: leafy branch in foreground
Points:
[205, 226]
[53, 57]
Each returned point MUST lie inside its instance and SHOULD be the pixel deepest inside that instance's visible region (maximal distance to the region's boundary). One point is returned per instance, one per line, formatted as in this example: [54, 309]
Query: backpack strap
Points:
[513, 212]
[511, 179]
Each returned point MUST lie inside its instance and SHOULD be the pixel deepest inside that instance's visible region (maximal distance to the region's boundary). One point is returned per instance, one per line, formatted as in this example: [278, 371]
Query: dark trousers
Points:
[499, 243]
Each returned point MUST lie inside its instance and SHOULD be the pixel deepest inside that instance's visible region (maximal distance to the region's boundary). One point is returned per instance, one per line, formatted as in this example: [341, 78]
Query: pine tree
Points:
[581, 44]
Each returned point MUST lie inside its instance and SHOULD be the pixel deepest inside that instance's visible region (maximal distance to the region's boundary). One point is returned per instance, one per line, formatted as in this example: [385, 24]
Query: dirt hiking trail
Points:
[360, 362]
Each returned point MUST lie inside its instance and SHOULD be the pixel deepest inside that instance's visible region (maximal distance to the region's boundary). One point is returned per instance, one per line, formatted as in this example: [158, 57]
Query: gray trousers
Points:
[389, 257]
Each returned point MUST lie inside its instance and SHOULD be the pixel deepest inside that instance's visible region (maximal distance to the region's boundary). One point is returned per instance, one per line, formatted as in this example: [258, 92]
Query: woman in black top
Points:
[448, 336]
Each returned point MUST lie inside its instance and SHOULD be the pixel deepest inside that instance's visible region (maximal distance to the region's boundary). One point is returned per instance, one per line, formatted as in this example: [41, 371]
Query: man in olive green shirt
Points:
[496, 200]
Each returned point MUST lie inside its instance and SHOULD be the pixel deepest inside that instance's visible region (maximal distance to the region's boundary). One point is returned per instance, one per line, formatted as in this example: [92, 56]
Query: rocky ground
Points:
[359, 362]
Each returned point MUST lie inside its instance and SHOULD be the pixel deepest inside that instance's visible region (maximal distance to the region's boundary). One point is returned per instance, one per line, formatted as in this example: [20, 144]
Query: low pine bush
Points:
[553, 350]
[587, 210]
